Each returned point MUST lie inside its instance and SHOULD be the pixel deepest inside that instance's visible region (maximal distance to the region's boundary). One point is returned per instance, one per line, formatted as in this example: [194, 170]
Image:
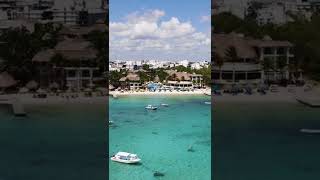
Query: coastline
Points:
[282, 96]
[271, 97]
[28, 99]
[162, 93]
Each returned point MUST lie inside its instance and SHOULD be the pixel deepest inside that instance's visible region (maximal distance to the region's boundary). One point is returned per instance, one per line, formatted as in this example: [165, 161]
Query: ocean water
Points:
[65, 142]
[161, 138]
[262, 141]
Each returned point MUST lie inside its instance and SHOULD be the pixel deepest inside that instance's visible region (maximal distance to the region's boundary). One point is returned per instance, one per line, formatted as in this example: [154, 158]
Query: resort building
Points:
[244, 60]
[72, 62]
[131, 82]
[184, 79]
[45, 11]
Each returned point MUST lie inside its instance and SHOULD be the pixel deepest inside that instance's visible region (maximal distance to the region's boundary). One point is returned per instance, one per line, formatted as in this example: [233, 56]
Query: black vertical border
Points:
[106, 125]
[212, 99]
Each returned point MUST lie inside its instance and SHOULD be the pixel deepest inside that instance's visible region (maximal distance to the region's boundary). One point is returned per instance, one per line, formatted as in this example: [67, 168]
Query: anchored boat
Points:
[311, 131]
[150, 107]
[125, 157]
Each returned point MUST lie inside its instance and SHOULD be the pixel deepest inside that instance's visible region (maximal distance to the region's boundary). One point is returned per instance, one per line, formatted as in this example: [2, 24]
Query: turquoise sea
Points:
[262, 141]
[54, 142]
[161, 138]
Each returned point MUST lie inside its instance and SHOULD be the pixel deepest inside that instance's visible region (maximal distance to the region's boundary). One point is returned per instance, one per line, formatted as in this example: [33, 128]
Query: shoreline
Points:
[163, 93]
[271, 97]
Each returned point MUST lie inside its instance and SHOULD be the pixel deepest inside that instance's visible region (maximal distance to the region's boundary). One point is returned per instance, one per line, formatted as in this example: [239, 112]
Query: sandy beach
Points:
[283, 95]
[28, 99]
[165, 93]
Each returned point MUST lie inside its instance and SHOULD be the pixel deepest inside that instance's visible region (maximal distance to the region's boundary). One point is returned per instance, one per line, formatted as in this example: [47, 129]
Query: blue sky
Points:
[187, 10]
[163, 29]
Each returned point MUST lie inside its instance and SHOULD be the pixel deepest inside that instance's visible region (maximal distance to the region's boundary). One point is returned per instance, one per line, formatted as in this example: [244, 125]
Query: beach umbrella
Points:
[32, 85]
[102, 89]
[227, 87]
[41, 91]
[262, 86]
[23, 90]
[54, 85]
[91, 85]
[69, 90]
[111, 87]
[6, 80]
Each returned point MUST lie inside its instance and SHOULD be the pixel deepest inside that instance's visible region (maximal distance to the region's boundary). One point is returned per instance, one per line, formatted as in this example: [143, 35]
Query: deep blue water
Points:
[65, 142]
[262, 141]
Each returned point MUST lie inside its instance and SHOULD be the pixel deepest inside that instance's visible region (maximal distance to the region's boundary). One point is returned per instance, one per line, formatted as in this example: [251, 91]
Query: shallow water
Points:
[262, 141]
[161, 138]
[63, 142]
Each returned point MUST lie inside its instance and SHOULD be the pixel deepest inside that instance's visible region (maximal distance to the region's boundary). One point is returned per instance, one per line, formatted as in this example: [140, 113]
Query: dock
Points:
[315, 103]
[17, 107]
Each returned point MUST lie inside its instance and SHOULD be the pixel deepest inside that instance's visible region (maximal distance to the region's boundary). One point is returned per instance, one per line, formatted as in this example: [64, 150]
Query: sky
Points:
[171, 30]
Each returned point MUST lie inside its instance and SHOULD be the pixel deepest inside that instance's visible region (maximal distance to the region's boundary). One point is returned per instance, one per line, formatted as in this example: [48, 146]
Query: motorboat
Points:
[150, 107]
[165, 105]
[125, 157]
[110, 122]
[311, 131]
[207, 102]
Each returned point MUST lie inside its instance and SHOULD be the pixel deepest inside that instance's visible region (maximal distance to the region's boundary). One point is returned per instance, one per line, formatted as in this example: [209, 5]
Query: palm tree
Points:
[218, 60]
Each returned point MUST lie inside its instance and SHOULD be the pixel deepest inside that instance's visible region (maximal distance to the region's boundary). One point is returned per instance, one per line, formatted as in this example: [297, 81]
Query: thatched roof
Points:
[245, 46]
[6, 80]
[131, 77]
[222, 42]
[75, 49]
[157, 79]
[44, 56]
[32, 85]
[179, 75]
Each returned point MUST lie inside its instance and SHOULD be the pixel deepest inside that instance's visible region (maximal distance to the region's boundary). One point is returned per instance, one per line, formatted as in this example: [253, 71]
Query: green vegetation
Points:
[18, 46]
[305, 35]
[99, 41]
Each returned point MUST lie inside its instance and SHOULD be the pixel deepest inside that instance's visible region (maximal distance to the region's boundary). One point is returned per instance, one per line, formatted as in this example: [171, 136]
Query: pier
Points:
[17, 107]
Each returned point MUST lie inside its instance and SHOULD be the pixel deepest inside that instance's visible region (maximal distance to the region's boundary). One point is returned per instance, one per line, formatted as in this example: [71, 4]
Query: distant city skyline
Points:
[166, 30]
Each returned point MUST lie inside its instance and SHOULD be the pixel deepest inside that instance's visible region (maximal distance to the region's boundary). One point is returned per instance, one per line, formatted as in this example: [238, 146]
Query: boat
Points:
[125, 157]
[150, 107]
[207, 102]
[110, 122]
[311, 131]
[165, 105]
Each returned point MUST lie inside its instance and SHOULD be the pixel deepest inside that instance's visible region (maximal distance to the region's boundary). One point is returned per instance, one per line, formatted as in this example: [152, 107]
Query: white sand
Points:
[28, 99]
[165, 93]
[283, 96]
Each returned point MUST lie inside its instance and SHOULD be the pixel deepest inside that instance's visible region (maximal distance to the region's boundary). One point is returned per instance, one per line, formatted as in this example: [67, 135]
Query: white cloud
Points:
[147, 32]
[205, 19]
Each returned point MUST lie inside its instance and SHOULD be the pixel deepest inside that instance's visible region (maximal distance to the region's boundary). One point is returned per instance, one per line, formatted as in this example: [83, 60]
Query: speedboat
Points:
[311, 131]
[150, 107]
[207, 102]
[165, 105]
[110, 122]
[125, 157]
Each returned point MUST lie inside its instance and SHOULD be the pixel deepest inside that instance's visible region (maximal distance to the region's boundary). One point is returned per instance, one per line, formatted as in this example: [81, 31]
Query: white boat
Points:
[110, 122]
[150, 107]
[125, 157]
[311, 131]
[165, 105]
[207, 102]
